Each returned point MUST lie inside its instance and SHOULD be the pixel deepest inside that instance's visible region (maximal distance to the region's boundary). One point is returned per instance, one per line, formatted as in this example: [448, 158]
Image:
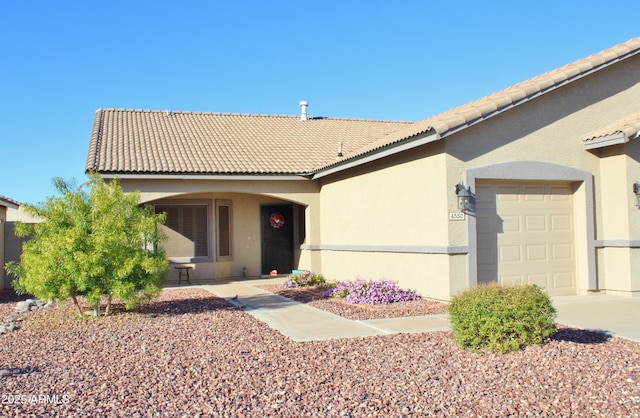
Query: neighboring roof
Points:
[620, 132]
[156, 142]
[459, 118]
[143, 141]
[9, 203]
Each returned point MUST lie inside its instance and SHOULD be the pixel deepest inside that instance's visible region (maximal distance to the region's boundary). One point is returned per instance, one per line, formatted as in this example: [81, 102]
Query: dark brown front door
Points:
[277, 238]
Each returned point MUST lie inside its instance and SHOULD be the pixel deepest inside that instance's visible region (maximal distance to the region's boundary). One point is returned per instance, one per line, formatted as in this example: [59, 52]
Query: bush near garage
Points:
[502, 318]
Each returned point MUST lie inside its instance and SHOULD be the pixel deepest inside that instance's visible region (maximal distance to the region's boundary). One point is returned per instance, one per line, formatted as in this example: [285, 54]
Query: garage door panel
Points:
[529, 226]
[508, 194]
[536, 223]
[561, 222]
[537, 253]
[512, 279]
[509, 254]
[560, 193]
[564, 283]
[534, 194]
[510, 224]
[562, 251]
[541, 280]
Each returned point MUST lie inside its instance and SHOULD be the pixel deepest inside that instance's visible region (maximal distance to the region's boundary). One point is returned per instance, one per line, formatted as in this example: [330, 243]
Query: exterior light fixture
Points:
[464, 197]
[636, 191]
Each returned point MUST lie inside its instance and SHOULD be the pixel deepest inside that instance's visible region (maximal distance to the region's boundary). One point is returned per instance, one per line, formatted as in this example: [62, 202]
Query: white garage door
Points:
[525, 234]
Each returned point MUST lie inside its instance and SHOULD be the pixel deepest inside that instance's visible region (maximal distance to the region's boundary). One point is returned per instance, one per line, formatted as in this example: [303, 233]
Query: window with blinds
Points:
[191, 223]
[223, 230]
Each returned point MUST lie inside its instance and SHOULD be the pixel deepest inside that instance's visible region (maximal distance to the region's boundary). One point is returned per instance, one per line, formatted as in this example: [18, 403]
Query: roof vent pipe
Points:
[303, 106]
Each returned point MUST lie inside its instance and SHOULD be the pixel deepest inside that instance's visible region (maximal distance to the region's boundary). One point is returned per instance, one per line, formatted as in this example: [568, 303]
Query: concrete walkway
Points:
[302, 322]
[616, 315]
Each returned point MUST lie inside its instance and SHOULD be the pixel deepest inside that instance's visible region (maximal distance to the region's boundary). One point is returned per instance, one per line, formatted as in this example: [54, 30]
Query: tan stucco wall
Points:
[245, 242]
[427, 274]
[389, 220]
[550, 130]
[618, 253]
[404, 200]
[390, 205]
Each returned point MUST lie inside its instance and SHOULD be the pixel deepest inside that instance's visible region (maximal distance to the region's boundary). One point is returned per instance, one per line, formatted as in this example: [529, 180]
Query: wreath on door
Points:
[276, 220]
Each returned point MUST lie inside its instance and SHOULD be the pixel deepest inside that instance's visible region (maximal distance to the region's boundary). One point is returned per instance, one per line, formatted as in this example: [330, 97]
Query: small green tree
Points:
[99, 243]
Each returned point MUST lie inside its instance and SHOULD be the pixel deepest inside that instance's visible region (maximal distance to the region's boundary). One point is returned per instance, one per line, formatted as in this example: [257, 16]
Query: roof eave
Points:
[181, 176]
[606, 141]
[377, 154]
[11, 204]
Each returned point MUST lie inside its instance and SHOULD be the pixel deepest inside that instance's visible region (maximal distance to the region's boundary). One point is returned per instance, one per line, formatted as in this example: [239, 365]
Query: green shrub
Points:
[502, 318]
[304, 278]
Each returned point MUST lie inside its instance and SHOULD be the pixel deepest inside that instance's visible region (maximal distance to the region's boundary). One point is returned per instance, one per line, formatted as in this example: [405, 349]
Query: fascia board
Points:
[605, 141]
[252, 177]
[377, 155]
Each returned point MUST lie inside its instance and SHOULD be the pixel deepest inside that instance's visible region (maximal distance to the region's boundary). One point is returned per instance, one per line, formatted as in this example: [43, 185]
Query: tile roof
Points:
[143, 141]
[461, 117]
[619, 132]
[629, 127]
[5, 201]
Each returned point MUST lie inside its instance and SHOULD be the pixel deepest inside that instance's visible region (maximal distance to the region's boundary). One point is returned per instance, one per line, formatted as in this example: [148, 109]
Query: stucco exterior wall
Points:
[388, 219]
[550, 130]
[402, 202]
[246, 237]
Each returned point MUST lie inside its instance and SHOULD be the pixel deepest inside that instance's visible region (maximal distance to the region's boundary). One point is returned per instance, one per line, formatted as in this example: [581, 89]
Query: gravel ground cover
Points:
[190, 353]
[8, 300]
[312, 295]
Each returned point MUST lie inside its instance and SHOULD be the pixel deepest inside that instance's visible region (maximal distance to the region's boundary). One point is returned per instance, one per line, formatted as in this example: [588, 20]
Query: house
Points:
[537, 183]
[6, 239]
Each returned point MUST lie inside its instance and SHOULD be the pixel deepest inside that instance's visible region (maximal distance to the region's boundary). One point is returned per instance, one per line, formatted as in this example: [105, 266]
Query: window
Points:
[224, 228]
[300, 219]
[188, 230]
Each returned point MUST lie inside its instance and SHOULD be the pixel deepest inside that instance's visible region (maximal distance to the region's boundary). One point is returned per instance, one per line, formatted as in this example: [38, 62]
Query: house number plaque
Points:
[457, 216]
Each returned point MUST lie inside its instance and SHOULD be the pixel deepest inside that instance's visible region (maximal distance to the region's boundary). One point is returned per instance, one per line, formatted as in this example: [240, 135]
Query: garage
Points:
[525, 234]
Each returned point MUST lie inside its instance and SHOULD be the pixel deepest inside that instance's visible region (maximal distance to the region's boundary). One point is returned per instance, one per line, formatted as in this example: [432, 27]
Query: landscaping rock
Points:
[189, 353]
[21, 308]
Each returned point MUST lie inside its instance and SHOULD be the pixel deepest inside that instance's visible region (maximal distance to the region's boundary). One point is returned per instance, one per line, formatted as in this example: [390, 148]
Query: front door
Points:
[277, 238]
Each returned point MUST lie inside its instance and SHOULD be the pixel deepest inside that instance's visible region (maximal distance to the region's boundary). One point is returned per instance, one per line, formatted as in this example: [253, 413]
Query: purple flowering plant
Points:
[371, 292]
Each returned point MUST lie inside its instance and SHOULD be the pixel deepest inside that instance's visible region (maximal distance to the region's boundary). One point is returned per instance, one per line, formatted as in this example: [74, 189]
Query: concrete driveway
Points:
[617, 315]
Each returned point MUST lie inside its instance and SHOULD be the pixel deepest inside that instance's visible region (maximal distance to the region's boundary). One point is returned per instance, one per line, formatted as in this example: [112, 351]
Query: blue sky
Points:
[60, 61]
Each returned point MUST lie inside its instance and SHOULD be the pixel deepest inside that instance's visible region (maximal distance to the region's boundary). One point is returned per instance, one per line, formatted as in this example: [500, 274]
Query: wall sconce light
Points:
[636, 191]
[464, 197]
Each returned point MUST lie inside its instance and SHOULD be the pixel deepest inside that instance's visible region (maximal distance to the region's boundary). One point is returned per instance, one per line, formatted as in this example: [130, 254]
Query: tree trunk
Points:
[75, 302]
[107, 310]
[96, 309]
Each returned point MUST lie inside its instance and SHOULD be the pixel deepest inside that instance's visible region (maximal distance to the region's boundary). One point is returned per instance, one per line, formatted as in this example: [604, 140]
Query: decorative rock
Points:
[21, 308]
[5, 373]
